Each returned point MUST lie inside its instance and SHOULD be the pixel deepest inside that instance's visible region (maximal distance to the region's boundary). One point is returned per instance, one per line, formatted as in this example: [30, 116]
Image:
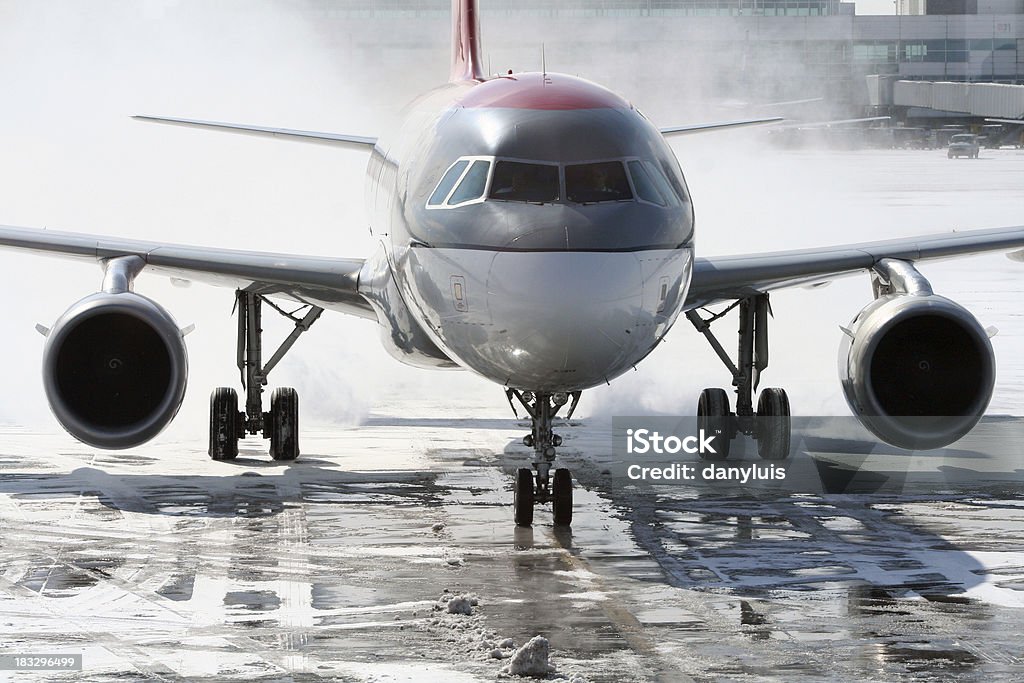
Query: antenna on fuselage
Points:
[544, 65]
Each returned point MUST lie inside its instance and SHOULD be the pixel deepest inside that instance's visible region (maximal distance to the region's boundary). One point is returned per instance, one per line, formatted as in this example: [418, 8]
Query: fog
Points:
[72, 159]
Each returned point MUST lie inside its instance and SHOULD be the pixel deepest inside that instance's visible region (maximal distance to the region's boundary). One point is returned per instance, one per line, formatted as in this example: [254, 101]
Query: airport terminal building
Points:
[761, 50]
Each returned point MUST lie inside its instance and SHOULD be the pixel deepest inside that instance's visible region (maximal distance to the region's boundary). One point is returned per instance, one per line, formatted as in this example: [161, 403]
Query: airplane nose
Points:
[565, 320]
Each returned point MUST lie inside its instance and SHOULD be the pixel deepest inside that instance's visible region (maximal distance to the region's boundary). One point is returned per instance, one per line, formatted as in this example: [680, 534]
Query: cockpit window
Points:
[668, 192]
[472, 178]
[673, 181]
[519, 182]
[645, 187]
[447, 182]
[599, 182]
[473, 183]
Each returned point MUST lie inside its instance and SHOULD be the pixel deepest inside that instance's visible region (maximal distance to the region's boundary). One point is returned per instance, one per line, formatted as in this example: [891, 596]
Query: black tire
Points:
[714, 418]
[561, 500]
[223, 424]
[773, 424]
[284, 424]
[522, 500]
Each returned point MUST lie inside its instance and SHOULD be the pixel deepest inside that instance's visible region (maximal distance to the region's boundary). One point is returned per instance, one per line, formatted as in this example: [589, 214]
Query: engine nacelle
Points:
[917, 370]
[115, 369]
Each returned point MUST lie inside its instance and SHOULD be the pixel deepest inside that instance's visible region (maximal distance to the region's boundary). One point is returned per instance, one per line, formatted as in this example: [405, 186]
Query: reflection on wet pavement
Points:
[162, 564]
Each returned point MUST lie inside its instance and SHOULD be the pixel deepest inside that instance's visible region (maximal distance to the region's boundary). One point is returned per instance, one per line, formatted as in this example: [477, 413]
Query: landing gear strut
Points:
[537, 486]
[281, 424]
[770, 424]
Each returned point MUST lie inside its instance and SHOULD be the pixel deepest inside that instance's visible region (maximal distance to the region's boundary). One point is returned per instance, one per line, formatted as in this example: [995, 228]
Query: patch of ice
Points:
[580, 574]
[388, 672]
[595, 596]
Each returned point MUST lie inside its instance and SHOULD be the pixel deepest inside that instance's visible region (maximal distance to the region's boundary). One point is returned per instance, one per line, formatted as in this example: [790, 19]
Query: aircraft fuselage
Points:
[536, 227]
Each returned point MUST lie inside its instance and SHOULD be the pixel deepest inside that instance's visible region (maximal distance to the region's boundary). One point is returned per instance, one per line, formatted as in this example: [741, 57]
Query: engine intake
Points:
[917, 369]
[115, 369]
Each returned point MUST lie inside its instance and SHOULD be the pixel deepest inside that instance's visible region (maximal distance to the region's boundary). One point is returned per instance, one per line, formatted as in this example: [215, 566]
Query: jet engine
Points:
[115, 369]
[917, 369]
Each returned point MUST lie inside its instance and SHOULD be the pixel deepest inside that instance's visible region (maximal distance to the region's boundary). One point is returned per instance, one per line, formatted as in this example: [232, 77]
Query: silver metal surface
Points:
[119, 274]
[724, 278]
[547, 321]
[893, 276]
[327, 281]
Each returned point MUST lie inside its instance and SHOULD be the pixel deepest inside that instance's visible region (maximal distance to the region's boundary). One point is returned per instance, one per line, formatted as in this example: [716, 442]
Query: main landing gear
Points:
[281, 424]
[538, 486]
[770, 424]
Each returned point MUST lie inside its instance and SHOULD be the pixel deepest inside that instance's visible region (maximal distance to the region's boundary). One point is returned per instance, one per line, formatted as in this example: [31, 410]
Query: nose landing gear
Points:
[537, 486]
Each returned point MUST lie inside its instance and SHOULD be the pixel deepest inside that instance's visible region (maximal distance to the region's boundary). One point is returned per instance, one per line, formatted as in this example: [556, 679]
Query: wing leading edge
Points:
[330, 283]
[726, 278]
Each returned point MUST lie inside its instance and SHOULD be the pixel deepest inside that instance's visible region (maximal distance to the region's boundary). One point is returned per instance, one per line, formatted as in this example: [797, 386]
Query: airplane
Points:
[536, 229]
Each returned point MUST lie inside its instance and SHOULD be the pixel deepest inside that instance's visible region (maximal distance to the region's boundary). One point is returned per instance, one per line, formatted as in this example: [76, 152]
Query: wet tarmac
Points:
[159, 564]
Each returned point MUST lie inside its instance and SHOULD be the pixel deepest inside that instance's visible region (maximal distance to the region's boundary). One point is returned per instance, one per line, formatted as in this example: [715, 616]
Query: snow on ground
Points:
[531, 659]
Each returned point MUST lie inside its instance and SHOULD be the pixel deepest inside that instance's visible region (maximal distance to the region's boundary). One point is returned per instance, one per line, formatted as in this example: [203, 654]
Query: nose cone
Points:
[565, 320]
[547, 320]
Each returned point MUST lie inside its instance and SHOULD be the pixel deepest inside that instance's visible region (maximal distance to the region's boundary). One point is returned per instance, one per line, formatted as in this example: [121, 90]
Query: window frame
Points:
[636, 195]
[674, 201]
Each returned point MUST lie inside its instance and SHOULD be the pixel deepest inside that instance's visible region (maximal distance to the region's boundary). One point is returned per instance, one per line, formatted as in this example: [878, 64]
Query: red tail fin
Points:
[466, 64]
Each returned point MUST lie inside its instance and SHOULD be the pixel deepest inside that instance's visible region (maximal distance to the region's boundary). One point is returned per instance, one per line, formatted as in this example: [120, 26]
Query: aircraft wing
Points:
[326, 282]
[836, 122]
[726, 278]
[358, 141]
[719, 125]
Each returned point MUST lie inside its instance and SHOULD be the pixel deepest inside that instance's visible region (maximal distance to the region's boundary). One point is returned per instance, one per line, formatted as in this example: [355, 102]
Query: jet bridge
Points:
[975, 99]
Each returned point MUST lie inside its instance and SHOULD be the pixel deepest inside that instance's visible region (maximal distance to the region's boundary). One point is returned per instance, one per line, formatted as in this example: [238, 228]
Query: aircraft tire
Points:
[773, 424]
[561, 501]
[713, 417]
[284, 424]
[522, 500]
[223, 424]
